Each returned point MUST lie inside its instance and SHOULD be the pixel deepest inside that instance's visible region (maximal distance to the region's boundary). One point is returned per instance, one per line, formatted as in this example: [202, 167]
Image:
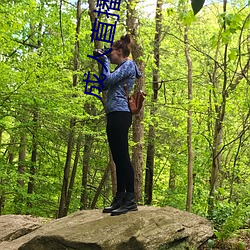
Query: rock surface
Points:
[15, 226]
[147, 229]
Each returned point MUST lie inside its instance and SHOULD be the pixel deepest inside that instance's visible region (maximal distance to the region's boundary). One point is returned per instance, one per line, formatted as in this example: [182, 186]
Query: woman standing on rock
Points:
[119, 120]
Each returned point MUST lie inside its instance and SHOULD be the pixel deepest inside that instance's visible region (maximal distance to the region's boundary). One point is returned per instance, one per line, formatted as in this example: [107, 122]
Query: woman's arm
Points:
[101, 77]
[123, 72]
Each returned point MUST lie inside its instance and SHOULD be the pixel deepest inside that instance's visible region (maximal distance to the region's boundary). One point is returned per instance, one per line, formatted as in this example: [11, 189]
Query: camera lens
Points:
[97, 52]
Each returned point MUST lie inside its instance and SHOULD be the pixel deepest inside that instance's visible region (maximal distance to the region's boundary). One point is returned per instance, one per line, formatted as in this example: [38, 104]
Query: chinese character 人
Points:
[95, 58]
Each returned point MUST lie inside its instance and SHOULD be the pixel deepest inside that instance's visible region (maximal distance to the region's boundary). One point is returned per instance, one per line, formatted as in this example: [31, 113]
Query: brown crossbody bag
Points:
[135, 101]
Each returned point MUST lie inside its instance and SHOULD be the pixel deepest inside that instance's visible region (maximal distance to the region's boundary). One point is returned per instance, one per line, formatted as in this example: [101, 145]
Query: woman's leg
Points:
[118, 124]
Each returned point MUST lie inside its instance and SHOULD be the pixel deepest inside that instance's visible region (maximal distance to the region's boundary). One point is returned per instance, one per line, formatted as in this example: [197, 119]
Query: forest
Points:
[189, 145]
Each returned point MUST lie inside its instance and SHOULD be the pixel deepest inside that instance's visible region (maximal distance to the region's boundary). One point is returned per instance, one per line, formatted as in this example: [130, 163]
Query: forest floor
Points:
[241, 242]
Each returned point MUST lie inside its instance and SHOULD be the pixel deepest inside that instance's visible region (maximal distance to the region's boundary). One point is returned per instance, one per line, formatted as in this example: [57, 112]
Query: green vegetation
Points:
[43, 110]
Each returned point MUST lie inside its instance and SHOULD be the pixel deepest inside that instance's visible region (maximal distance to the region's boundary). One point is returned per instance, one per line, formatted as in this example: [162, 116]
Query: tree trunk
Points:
[92, 16]
[2, 200]
[245, 121]
[1, 179]
[19, 198]
[151, 134]
[137, 127]
[35, 112]
[217, 142]
[66, 176]
[11, 154]
[85, 169]
[62, 205]
[172, 178]
[33, 156]
[99, 189]
[73, 174]
[189, 125]
[21, 159]
[32, 167]
[1, 135]
[9, 160]
[172, 170]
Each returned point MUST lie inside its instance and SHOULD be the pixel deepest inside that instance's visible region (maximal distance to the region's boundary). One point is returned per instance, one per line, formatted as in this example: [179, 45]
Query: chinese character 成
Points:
[98, 80]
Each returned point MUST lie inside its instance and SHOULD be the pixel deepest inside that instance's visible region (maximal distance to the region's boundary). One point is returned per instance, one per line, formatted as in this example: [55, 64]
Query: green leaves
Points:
[197, 5]
[187, 17]
[233, 54]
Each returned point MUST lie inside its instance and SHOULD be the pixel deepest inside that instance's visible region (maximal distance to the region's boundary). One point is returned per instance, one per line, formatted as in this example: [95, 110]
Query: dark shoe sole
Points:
[124, 212]
[107, 211]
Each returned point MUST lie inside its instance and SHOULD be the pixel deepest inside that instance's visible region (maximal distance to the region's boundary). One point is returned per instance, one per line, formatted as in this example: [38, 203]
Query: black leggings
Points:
[118, 123]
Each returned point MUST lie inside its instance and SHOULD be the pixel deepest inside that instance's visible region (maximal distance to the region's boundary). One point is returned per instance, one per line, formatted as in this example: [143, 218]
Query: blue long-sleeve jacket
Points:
[114, 84]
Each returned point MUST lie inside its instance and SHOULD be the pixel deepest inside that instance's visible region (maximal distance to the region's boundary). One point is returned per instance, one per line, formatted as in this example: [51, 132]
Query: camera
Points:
[97, 52]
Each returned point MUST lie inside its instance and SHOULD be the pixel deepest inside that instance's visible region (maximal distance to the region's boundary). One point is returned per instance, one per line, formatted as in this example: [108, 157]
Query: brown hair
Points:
[124, 43]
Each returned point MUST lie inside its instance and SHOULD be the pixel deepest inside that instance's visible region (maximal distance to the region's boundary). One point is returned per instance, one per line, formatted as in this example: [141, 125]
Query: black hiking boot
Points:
[128, 204]
[116, 203]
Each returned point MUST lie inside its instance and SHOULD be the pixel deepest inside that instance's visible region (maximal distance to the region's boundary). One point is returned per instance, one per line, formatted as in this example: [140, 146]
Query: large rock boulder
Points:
[15, 226]
[147, 229]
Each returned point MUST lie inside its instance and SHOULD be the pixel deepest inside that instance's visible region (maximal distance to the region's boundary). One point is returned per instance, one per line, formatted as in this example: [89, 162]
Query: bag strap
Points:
[126, 88]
